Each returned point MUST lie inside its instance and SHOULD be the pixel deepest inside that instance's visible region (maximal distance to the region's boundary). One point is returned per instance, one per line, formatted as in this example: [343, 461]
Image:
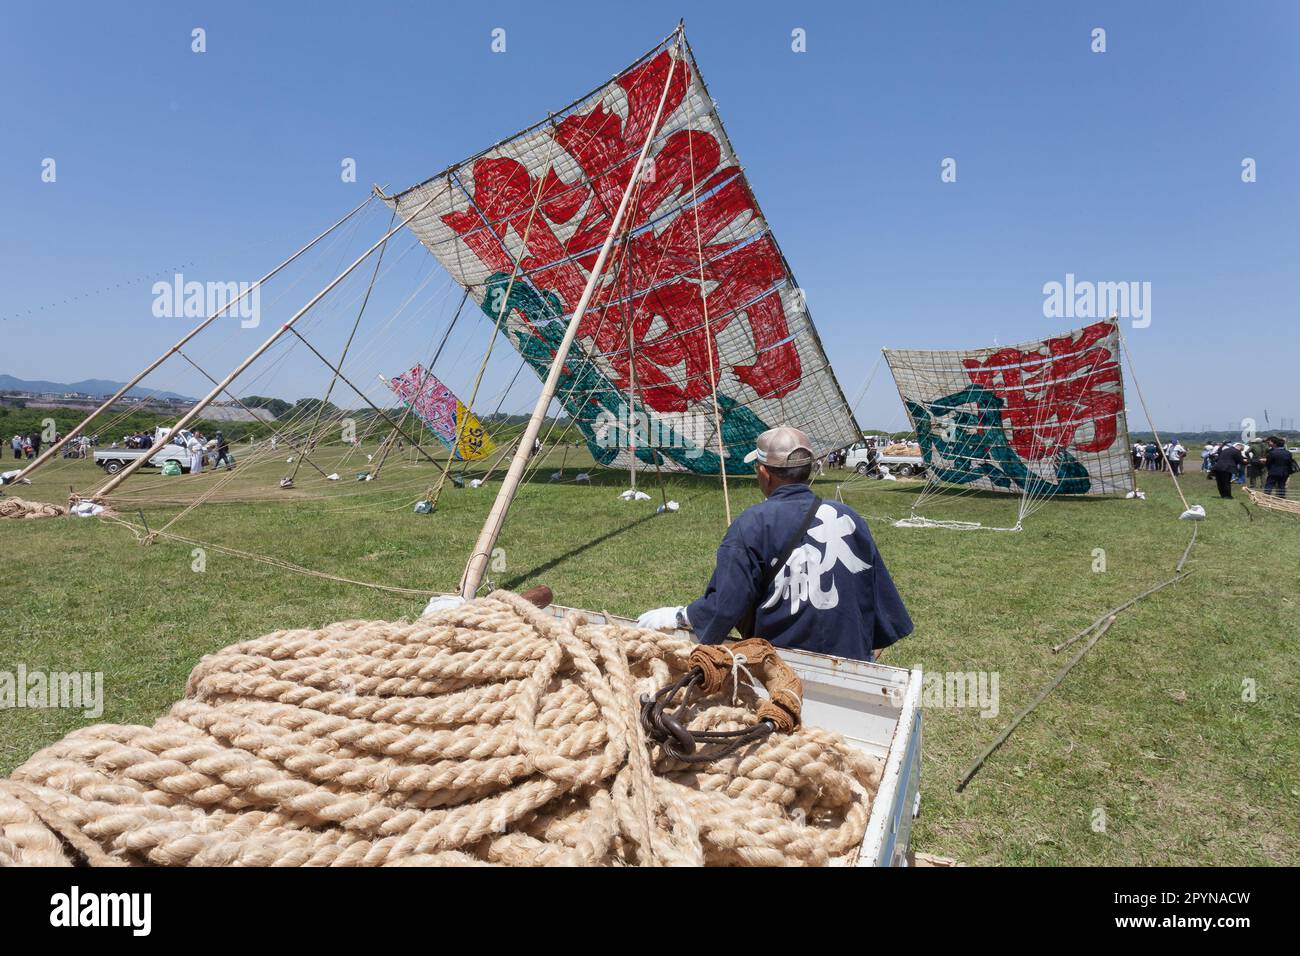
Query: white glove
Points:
[442, 603]
[662, 618]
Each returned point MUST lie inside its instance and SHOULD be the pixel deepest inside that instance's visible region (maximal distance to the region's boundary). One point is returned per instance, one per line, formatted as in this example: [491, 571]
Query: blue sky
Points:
[1115, 166]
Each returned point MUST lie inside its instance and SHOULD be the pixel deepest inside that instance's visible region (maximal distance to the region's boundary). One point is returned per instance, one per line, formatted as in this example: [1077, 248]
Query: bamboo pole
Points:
[49, 452]
[708, 335]
[478, 559]
[207, 400]
[493, 467]
[628, 314]
[1178, 576]
[1042, 696]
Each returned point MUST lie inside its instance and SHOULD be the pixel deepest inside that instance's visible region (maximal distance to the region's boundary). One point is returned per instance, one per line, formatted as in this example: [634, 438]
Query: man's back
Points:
[1279, 462]
[1228, 458]
[832, 595]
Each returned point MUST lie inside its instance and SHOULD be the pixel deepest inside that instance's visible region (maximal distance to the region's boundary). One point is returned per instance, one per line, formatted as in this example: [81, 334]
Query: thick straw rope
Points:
[487, 733]
[21, 508]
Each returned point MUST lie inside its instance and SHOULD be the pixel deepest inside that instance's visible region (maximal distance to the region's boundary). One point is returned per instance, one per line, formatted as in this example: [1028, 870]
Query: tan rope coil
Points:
[785, 691]
[487, 733]
[22, 508]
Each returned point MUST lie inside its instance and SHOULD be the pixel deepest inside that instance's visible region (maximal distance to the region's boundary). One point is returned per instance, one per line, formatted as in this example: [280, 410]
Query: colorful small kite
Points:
[447, 417]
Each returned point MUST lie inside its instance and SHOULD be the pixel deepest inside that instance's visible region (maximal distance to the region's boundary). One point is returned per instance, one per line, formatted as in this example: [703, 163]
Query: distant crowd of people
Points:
[1262, 461]
[1149, 456]
[29, 446]
[26, 446]
[79, 447]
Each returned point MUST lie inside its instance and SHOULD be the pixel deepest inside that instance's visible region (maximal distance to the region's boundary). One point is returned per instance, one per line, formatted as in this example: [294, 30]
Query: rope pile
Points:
[22, 508]
[487, 733]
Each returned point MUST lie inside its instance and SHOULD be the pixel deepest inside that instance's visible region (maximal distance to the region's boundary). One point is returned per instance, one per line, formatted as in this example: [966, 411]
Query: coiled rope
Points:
[487, 733]
[22, 508]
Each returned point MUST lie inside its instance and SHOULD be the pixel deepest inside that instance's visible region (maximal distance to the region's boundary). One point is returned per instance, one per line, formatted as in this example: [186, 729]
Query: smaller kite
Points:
[1039, 420]
[447, 417]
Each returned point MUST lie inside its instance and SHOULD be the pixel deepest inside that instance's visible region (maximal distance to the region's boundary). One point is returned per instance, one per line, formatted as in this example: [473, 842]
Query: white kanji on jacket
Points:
[800, 578]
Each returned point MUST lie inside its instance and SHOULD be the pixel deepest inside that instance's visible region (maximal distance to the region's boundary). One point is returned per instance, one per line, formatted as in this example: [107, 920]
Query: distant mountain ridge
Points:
[90, 386]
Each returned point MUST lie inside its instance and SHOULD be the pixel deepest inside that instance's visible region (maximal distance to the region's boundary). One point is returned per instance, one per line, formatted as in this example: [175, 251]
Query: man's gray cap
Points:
[782, 447]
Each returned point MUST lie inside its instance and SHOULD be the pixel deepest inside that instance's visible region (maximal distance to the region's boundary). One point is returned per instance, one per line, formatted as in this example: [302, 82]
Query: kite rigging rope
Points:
[1147, 412]
[871, 376]
[313, 437]
[487, 733]
[143, 534]
[391, 439]
[515, 272]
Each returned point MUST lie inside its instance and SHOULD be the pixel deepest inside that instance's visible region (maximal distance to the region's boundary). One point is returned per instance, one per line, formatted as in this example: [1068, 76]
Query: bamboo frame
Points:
[477, 565]
[140, 376]
[207, 400]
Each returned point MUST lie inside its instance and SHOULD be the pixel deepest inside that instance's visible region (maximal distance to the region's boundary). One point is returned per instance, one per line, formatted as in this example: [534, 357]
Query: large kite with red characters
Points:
[696, 304]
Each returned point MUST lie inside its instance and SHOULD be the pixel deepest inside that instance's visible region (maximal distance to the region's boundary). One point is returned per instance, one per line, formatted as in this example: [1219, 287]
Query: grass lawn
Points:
[1152, 728]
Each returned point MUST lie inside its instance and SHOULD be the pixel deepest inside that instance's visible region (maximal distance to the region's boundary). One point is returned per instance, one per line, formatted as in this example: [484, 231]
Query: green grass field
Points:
[1154, 727]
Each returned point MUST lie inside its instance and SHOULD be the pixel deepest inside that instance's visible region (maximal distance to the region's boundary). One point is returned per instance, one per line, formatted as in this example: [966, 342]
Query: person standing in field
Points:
[223, 452]
[1280, 465]
[16, 443]
[1226, 465]
[195, 447]
[1256, 458]
[1176, 455]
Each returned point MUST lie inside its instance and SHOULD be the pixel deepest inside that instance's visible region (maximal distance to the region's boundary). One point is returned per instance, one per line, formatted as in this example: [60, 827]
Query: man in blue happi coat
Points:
[800, 572]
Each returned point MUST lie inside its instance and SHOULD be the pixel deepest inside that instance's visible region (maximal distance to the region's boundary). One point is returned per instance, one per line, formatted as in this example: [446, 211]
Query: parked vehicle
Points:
[903, 459]
[114, 460]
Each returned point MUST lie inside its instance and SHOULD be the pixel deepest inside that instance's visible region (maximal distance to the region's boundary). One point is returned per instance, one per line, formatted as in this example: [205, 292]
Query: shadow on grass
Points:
[532, 574]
